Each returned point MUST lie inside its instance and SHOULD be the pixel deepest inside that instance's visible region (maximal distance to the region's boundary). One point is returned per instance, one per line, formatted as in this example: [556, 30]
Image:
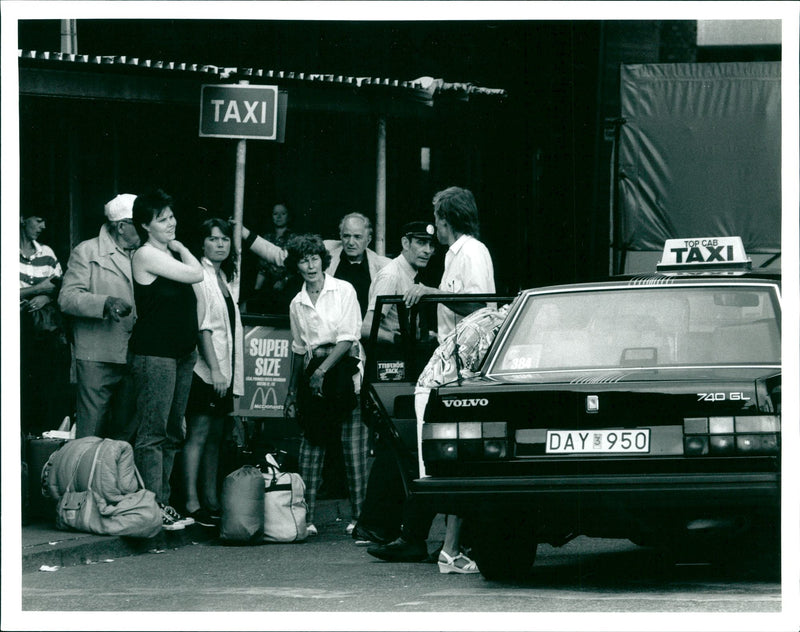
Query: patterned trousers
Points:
[355, 439]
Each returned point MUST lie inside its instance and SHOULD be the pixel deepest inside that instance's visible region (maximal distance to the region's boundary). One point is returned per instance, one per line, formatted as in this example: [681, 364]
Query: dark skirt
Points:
[203, 400]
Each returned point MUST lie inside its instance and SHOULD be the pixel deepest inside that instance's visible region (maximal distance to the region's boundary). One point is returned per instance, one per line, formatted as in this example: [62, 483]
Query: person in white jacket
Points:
[219, 370]
[97, 292]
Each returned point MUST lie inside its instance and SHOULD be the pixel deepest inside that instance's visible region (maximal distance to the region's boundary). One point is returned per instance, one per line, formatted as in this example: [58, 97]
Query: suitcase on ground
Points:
[37, 451]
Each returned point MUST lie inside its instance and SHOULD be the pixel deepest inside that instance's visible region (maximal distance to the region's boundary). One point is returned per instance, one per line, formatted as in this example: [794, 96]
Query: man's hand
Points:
[116, 308]
[416, 292]
[37, 302]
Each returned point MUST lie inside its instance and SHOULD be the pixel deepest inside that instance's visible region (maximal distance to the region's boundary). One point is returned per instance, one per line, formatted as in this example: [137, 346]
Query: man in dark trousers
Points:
[381, 513]
[353, 261]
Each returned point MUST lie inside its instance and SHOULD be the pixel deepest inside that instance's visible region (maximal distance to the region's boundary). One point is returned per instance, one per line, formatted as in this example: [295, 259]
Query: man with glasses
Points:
[97, 293]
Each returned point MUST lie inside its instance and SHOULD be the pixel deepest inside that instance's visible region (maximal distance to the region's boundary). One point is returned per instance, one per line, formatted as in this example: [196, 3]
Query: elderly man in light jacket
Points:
[97, 293]
[351, 260]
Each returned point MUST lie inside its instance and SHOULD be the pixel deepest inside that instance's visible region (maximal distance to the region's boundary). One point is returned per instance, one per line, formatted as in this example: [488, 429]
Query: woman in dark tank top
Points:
[163, 344]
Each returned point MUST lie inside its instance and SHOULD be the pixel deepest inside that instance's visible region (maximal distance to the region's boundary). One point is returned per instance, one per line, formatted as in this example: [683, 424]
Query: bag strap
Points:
[78, 461]
[139, 477]
[273, 469]
[94, 464]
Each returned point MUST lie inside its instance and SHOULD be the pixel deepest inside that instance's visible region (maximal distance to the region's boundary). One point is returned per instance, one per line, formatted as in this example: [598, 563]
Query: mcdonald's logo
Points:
[265, 395]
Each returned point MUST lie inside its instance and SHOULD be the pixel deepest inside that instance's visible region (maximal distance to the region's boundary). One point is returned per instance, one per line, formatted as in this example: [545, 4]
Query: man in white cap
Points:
[97, 293]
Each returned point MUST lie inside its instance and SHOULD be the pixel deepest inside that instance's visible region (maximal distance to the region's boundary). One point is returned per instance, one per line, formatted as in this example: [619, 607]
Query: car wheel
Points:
[502, 549]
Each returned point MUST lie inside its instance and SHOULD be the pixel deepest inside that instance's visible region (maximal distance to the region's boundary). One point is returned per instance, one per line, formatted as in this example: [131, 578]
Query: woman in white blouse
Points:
[218, 372]
[326, 325]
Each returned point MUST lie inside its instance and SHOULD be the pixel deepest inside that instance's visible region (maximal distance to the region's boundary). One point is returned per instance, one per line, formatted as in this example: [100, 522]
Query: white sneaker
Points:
[349, 529]
[311, 530]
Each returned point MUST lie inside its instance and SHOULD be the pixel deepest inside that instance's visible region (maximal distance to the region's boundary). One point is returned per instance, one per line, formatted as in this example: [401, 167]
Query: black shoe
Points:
[204, 518]
[362, 533]
[400, 551]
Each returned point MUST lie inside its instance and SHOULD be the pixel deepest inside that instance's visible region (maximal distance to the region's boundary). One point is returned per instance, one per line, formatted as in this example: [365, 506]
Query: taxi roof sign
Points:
[702, 254]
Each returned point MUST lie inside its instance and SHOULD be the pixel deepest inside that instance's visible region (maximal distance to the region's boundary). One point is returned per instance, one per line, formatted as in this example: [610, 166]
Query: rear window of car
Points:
[642, 327]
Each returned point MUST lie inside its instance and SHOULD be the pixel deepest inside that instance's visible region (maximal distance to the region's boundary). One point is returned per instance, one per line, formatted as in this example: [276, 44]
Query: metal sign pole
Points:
[238, 207]
[380, 190]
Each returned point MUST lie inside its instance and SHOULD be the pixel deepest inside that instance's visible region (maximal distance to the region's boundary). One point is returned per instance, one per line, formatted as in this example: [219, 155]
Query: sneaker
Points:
[349, 529]
[176, 517]
[204, 518]
[168, 523]
[311, 530]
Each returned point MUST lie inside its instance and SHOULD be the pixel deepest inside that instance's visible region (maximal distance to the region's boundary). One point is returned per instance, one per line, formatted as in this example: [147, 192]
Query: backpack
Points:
[243, 506]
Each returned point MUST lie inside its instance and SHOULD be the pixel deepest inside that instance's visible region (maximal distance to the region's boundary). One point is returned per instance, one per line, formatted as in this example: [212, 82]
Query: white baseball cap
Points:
[121, 207]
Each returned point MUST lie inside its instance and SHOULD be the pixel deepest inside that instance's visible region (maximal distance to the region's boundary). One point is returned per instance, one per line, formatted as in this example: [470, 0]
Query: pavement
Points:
[43, 545]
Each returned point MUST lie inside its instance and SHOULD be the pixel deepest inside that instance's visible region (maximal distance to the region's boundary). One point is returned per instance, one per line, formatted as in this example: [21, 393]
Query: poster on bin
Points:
[267, 367]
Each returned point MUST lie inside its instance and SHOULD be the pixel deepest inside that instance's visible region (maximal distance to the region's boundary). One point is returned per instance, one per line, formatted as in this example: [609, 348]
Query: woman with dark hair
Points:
[218, 373]
[163, 343]
[325, 320]
[270, 275]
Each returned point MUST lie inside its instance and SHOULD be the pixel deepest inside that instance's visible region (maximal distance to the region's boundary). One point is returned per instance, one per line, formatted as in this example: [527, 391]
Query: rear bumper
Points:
[739, 493]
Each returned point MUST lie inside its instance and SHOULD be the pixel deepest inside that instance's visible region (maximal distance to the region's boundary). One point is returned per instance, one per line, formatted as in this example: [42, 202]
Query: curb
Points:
[91, 549]
[64, 548]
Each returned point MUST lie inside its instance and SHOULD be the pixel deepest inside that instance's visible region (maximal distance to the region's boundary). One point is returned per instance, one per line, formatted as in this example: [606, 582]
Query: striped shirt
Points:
[41, 265]
[462, 352]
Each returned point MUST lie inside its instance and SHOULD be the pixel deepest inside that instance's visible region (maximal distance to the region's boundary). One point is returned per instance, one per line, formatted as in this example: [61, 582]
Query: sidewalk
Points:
[44, 545]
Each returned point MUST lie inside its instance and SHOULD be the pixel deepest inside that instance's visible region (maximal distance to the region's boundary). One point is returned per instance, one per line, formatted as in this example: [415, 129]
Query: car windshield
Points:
[642, 327]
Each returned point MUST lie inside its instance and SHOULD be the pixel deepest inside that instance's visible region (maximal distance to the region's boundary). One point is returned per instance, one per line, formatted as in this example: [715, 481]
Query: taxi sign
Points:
[703, 253]
[239, 111]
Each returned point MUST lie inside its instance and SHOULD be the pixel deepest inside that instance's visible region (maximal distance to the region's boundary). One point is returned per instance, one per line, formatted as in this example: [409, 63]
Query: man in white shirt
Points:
[397, 277]
[468, 265]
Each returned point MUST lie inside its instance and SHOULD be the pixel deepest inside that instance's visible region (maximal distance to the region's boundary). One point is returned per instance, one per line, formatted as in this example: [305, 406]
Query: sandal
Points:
[458, 564]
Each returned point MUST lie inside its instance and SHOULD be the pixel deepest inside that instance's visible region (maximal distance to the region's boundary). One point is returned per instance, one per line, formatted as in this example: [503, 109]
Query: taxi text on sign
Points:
[237, 111]
[703, 252]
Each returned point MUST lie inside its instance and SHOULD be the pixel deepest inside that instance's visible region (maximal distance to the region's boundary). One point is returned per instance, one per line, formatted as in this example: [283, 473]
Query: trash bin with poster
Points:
[267, 367]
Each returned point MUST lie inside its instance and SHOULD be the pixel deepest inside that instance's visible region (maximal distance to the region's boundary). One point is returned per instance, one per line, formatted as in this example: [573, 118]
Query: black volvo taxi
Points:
[645, 408]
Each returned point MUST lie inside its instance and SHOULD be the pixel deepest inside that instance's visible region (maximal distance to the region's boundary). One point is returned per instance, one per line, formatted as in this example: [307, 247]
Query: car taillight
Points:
[751, 435]
[465, 441]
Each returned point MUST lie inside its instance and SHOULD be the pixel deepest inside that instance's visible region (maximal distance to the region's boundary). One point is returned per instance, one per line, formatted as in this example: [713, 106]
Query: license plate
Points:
[598, 441]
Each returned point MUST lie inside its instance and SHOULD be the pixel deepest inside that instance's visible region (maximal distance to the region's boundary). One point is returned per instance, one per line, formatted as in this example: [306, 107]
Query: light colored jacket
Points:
[374, 260]
[212, 315]
[97, 269]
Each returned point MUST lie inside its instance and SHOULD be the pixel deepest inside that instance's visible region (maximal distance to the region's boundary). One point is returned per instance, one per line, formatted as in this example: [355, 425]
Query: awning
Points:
[63, 75]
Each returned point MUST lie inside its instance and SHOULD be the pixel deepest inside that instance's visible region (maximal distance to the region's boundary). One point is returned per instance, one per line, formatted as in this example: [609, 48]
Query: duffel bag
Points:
[285, 507]
[135, 514]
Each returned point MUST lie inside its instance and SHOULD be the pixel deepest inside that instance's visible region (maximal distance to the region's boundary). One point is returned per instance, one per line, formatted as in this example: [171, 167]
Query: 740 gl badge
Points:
[721, 397]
